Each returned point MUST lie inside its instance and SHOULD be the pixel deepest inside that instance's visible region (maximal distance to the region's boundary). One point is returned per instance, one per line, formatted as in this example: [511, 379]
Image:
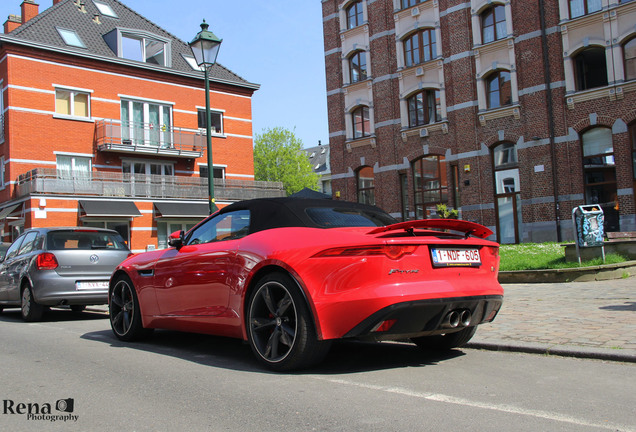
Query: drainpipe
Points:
[546, 74]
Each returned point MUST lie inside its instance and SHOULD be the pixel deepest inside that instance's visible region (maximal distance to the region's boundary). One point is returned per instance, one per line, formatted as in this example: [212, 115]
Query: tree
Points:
[278, 156]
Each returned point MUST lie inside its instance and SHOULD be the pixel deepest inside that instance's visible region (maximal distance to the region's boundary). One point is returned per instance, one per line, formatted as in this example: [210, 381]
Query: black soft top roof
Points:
[268, 213]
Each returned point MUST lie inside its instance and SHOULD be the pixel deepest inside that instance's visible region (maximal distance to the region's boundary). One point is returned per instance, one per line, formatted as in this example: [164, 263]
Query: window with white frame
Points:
[72, 167]
[146, 123]
[217, 172]
[139, 46]
[216, 123]
[105, 9]
[72, 103]
[71, 38]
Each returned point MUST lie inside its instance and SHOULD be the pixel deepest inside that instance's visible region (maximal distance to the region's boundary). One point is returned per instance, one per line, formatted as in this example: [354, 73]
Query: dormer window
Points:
[71, 38]
[105, 9]
[139, 46]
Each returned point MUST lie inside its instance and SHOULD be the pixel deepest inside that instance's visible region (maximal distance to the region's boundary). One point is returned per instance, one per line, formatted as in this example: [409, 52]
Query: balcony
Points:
[148, 138]
[104, 184]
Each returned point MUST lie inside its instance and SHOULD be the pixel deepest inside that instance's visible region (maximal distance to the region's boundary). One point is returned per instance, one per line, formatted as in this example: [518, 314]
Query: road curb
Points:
[580, 274]
[618, 355]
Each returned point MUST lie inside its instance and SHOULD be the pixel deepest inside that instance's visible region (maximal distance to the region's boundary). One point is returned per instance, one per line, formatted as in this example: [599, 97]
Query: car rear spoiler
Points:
[468, 228]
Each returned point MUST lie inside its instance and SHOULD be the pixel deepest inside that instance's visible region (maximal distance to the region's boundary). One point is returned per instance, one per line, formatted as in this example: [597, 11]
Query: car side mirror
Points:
[176, 239]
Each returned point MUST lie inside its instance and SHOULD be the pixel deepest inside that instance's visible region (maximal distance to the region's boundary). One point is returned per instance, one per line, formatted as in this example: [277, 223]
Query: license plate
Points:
[92, 285]
[446, 257]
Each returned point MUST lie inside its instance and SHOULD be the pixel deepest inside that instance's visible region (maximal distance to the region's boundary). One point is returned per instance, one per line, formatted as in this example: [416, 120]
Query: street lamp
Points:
[205, 47]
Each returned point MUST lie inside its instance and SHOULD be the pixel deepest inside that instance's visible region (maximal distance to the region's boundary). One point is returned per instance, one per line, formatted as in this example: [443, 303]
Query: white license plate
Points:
[445, 257]
[93, 285]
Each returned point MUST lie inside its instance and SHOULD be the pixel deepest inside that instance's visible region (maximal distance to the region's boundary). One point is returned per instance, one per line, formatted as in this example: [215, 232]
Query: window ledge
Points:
[361, 29]
[360, 142]
[613, 93]
[367, 82]
[420, 68]
[495, 113]
[425, 130]
[65, 117]
[506, 42]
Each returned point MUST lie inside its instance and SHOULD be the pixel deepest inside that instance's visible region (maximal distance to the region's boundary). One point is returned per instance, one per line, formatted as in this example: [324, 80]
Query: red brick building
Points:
[514, 112]
[103, 124]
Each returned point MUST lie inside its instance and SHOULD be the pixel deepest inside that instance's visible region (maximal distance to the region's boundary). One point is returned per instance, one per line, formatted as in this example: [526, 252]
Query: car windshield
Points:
[334, 217]
[84, 239]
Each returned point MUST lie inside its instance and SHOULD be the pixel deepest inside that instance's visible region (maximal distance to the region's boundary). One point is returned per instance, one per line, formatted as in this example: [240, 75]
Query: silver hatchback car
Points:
[59, 266]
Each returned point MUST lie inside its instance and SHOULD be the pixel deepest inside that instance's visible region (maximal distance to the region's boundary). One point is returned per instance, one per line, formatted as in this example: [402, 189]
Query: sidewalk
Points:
[594, 319]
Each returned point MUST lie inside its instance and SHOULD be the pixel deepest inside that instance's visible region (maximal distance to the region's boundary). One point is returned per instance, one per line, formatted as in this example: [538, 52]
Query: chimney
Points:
[12, 23]
[30, 9]
[56, 2]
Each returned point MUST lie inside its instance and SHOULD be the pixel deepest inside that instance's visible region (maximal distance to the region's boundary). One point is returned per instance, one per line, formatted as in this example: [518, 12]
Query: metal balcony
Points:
[148, 138]
[105, 184]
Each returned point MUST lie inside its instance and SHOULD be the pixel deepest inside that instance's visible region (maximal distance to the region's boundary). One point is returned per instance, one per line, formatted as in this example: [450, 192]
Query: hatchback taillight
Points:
[46, 261]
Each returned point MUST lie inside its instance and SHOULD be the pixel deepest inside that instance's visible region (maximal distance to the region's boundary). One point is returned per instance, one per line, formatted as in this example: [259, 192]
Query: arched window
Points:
[358, 67]
[354, 14]
[599, 172]
[424, 108]
[493, 24]
[632, 138]
[366, 186]
[583, 7]
[499, 89]
[361, 124]
[591, 68]
[507, 192]
[430, 185]
[420, 47]
[629, 55]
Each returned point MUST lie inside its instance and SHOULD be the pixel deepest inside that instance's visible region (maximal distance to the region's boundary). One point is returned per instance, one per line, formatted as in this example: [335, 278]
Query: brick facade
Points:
[35, 134]
[548, 112]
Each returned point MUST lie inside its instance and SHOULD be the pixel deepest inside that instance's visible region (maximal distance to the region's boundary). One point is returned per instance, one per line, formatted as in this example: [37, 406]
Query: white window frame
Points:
[221, 113]
[143, 36]
[146, 116]
[105, 9]
[73, 92]
[64, 32]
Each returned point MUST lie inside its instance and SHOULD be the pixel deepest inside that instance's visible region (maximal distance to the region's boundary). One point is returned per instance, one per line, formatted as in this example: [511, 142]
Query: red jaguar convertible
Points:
[290, 275]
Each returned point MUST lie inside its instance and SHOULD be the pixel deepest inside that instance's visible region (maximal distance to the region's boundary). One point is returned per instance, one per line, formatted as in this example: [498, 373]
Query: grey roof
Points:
[320, 159]
[41, 31]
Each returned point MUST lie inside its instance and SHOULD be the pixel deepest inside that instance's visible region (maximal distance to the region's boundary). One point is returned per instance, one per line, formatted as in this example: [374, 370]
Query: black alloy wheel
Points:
[279, 325]
[123, 309]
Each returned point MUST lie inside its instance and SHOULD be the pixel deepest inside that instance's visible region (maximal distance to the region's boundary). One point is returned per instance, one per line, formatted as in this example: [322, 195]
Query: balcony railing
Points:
[148, 138]
[103, 184]
[1, 128]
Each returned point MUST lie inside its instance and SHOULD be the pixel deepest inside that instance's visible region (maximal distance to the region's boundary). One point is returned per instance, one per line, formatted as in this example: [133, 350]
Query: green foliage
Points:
[537, 256]
[278, 156]
[445, 213]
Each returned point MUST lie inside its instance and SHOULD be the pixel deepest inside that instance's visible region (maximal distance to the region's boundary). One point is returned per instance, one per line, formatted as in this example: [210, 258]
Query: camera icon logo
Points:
[65, 405]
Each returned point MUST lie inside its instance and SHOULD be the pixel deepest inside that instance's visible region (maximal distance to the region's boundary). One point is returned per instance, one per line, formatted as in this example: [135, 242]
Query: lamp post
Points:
[205, 47]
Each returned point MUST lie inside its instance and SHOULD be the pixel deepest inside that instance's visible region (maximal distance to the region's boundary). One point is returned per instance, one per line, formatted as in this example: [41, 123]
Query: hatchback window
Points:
[331, 217]
[84, 239]
[27, 243]
[13, 249]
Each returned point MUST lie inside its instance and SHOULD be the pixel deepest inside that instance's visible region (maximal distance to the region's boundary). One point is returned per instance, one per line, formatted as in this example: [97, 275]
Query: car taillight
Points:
[393, 252]
[46, 261]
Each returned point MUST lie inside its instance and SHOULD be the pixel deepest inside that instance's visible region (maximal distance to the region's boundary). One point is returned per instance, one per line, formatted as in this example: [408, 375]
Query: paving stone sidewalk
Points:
[583, 319]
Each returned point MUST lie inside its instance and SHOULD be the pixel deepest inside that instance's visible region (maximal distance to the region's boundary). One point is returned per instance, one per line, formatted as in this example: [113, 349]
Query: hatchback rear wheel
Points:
[124, 312]
[279, 325]
[31, 311]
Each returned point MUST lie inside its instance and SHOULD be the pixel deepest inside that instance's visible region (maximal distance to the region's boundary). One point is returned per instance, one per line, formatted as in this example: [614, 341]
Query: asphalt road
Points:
[185, 382]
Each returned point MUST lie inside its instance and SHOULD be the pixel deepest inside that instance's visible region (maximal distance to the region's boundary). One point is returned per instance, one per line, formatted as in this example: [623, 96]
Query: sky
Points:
[275, 43]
